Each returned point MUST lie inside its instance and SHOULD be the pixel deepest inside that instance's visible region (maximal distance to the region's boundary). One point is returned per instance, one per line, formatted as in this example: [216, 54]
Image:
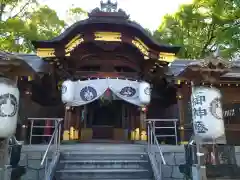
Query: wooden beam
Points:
[97, 74]
[89, 62]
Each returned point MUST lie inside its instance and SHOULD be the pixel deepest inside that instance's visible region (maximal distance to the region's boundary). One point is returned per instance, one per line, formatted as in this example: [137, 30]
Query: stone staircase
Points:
[105, 161]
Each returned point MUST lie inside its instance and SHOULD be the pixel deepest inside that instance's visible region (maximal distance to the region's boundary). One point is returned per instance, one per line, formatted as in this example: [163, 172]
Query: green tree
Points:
[202, 26]
[75, 14]
[24, 20]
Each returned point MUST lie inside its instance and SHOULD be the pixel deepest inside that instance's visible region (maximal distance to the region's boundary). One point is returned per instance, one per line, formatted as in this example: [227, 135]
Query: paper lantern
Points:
[207, 113]
[68, 89]
[9, 105]
[144, 92]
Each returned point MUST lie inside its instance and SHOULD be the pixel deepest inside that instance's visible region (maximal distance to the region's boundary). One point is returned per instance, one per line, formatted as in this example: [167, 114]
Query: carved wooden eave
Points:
[153, 69]
[68, 48]
[12, 66]
[108, 25]
[209, 69]
[212, 63]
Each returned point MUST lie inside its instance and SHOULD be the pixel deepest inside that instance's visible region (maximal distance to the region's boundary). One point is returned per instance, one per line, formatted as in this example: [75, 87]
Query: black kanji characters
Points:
[200, 127]
[198, 100]
[199, 112]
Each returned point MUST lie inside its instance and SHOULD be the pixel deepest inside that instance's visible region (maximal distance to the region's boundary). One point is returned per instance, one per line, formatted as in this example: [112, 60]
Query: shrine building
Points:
[106, 77]
[106, 58]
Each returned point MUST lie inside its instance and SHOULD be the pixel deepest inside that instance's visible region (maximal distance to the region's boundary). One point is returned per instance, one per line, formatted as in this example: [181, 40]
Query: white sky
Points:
[148, 13]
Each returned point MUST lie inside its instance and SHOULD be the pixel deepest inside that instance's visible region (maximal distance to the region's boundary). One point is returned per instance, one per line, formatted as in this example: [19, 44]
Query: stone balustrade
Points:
[174, 156]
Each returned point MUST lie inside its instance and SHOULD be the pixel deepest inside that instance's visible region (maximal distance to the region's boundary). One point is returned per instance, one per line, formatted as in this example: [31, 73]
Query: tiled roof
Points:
[175, 68]
[180, 65]
[35, 62]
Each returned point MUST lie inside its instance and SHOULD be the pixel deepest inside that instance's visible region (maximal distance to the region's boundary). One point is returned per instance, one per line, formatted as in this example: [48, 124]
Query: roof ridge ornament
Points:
[108, 9]
[109, 6]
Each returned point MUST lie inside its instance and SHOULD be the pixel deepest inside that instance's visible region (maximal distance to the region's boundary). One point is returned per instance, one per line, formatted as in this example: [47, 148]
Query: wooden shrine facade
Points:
[106, 45]
[228, 83]
[109, 45]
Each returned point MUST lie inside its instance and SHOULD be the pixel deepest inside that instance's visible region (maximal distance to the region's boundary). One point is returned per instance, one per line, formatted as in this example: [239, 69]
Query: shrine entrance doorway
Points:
[114, 115]
[109, 121]
[104, 117]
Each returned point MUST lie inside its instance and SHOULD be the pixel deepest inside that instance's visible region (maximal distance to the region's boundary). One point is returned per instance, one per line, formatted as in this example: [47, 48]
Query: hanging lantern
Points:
[207, 113]
[144, 92]
[68, 90]
[9, 104]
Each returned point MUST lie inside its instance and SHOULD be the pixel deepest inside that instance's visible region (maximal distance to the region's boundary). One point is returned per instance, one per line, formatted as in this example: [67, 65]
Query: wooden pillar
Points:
[86, 127]
[181, 106]
[72, 122]
[78, 122]
[132, 122]
[66, 126]
[183, 96]
[85, 116]
[143, 126]
[136, 119]
[124, 123]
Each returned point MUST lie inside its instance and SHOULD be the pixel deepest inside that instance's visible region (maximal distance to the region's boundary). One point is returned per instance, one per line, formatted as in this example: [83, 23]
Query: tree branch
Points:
[210, 37]
[22, 8]
[2, 7]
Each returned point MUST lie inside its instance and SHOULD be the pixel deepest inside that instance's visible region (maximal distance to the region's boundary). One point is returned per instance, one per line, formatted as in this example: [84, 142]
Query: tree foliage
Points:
[203, 26]
[22, 21]
[75, 14]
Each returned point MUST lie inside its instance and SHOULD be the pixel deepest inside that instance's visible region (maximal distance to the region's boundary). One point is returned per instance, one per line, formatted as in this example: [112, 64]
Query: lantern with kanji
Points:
[207, 112]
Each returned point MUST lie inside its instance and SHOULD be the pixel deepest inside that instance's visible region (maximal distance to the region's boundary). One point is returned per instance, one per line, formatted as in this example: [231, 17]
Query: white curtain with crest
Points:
[88, 91]
[91, 90]
[126, 90]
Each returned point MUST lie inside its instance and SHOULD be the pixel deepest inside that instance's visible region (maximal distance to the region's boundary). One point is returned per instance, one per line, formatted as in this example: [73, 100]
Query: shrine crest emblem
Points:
[88, 93]
[128, 91]
[216, 109]
[64, 89]
[8, 105]
[147, 91]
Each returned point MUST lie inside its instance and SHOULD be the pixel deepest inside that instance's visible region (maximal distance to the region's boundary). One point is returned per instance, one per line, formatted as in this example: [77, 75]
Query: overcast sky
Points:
[148, 13]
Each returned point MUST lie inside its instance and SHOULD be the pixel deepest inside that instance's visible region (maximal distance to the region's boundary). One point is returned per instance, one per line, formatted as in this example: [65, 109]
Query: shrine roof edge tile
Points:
[108, 21]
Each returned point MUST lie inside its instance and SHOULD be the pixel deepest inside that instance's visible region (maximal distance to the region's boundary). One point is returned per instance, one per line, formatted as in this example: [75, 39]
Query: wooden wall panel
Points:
[185, 115]
[230, 94]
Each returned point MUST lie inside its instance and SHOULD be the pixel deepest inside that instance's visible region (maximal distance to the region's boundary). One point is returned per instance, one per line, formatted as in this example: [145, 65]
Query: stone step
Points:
[109, 179]
[72, 174]
[104, 161]
[102, 164]
[106, 147]
[103, 156]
